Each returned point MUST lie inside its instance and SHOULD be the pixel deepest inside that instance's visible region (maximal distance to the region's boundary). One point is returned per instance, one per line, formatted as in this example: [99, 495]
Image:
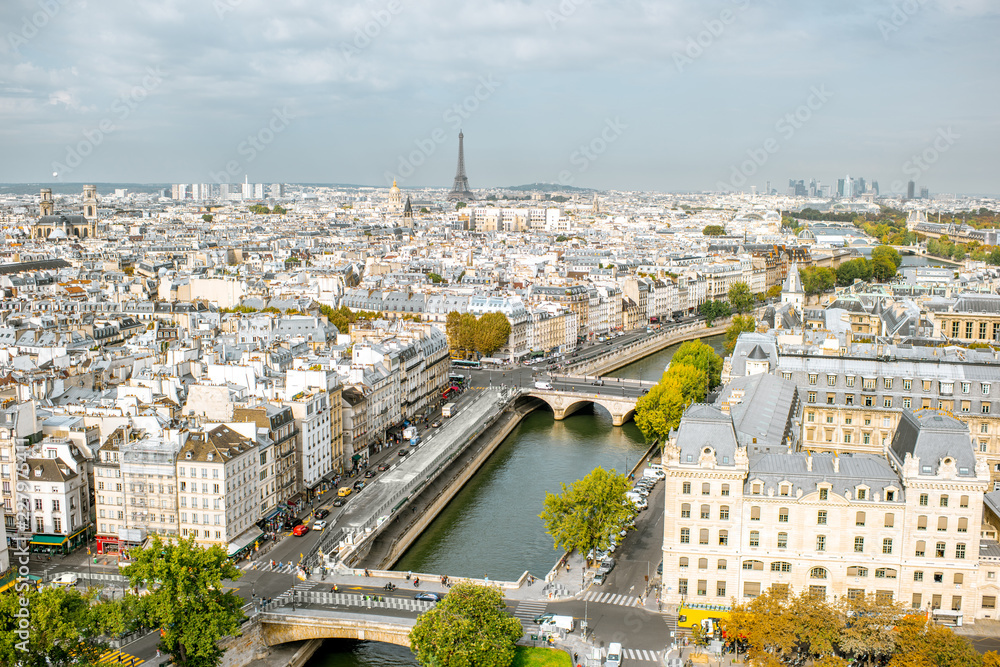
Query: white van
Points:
[614, 658]
[543, 385]
[564, 623]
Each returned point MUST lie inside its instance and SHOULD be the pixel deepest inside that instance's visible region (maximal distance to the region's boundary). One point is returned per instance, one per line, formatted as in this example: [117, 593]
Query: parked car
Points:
[402, 451]
[383, 467]
[322, 513]
[607, 564]
[300, 530]
[429, 597]
[600, 577]
[369, 474]
[339, 502]
[435, 424]
[344, 491]
[319, 525]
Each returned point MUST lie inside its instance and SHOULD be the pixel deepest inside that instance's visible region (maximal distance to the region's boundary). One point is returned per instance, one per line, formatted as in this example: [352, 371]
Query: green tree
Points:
[855, 269]
[279, 210]
[887, 251]
[208, 217]
[467, 332]
[713, 230]
[186, 598]
[883, 269]
[435, 277]
[919, 643]
[63, 628]
[712, 310]
[492, 332]
[469, 627]
[870, 637]
[660, 411]
[451, 328]
[740, 297]
[585, 513]
[741, 324]
[701, 356]
[773, 292]
[460, 205]
[994, 257]
[817, 279]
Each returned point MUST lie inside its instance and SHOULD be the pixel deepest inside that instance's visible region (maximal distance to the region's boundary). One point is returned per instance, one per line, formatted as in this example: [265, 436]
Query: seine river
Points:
[492, 526]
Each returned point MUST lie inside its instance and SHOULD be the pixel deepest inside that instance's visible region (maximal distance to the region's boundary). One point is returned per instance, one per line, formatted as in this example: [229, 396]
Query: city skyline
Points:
[674, 97]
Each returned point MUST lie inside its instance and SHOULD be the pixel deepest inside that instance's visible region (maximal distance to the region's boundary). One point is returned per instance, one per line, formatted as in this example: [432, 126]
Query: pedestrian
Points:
[576, 657]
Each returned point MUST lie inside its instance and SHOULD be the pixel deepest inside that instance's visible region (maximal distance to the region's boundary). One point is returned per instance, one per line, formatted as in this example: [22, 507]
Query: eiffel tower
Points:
[461, 191]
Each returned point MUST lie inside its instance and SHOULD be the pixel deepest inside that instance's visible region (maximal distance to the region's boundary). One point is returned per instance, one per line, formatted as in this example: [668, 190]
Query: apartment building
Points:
[217, 492]
[969, 318]
[904, 525]
[276, 434]
[57, 486]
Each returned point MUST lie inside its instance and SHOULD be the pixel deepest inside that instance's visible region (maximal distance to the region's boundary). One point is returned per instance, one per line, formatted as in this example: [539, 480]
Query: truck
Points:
[543, 385]
[564, 623]
[448, 410]
[409, 432]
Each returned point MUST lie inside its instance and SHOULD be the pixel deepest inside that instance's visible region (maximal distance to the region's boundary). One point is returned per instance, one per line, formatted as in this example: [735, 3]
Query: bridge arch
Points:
[564, 404]
[276, 629]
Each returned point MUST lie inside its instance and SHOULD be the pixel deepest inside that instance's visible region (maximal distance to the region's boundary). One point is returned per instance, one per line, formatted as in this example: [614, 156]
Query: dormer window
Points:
[785, 489]
[862, 493]
[187, 455]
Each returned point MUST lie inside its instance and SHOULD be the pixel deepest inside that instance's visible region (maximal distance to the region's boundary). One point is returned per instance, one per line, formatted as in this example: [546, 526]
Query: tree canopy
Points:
[778, 628]
[885, 262]
[740, 297]
[714, 230]
[741, 324]
[701, 356]
[586, 512]
[186, 598]
[468, 628]
[712, 310]
[484, 335]
[817, 279]
[855, 269]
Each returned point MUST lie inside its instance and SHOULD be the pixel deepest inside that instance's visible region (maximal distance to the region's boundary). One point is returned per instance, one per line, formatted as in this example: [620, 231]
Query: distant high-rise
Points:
[875, 187]
[840, 187]
[910, 189]
[461, 191]
[925, 193]
[848, 186]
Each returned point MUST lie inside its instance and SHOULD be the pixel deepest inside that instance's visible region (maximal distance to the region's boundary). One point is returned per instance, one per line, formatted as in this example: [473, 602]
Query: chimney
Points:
[836, 462]
[809, 462]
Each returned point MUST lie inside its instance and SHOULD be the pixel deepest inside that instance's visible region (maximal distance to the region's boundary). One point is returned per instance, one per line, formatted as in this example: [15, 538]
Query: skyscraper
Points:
[910, 188]
[460, 191]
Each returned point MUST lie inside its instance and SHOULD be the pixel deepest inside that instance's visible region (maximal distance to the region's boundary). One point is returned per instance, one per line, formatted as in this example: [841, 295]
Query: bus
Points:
[456, 378]
[464, 363]
[707, 616]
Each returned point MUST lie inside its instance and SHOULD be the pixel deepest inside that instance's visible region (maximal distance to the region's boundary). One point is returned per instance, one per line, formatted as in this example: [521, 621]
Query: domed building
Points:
[395, 198]
[806, 237]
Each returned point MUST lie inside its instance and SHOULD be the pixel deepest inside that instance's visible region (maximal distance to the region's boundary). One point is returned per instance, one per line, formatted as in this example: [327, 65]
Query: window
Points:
[918, 576]
[722, 564]
[706, 489]
[887, 545]
[982, 330]
[954, 329]
[920, 549]
[754, 539]
[817, 573]
[821, 517]
[868, 384]
[811, 398]
[960, 551]
[907, 384]
[724, 513]
[702, 587]
[821, 543]
[782, 515]
[907, 402]
[927, 384]
[824, 494]
[831, 380]
[810, 416]
[812, 378]
[887, 402]
[847, 438]
[850, 380]
[829, 419]
[685, 535]
[890, 519]
[956, 603]
[859, 545]
[830, 398]
[725, 489]
[756, 489]
[963, 525]
[782, 540]
[686, 487]
[942, 523]
[781, 566]
[755, 513]
[753, 565]
[923, 499]
[720, 589]
[944, 501]
[938, 578]
[682, 586]
[989, 602]
[939, 550]
[862, 494]
[857, 571]
[986, 389]
[723, 537]
[751, 589]
[702, 563]
[706, 512]
[686, 510]
[885, 573]
[887, 383]
[859, 519]
[849, 399]
[855, 593]
[959, 579]
[986, 408]
[703, 536]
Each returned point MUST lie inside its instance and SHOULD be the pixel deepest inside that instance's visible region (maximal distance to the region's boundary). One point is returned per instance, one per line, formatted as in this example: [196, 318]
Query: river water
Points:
[491, 527]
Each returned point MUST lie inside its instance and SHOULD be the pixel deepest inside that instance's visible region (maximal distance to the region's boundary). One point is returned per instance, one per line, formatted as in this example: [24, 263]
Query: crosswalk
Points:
[611, 598]
[101, 576]
[526, 611]
[119, 658]
[354, 600]
[642, 654]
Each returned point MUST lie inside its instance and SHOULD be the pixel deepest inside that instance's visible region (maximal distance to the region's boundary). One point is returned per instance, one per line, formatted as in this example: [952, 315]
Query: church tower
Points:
[90, 202]
[408, 213]
[45, 206]
[791, 291]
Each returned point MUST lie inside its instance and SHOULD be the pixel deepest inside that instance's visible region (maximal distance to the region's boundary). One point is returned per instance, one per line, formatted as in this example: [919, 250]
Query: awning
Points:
[356, 457]
[273, 513]
[246, 539]
[82, 530]
[49, 540]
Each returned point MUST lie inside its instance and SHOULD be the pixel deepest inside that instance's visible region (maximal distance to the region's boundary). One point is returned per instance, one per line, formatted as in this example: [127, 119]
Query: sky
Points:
[681, 95]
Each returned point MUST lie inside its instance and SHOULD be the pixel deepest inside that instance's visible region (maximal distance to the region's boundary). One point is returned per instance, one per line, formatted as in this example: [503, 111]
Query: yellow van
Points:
[344, 491]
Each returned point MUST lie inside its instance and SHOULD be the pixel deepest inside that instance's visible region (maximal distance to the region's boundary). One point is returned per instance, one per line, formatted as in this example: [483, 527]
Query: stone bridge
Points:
[566, 402]
[280, 628]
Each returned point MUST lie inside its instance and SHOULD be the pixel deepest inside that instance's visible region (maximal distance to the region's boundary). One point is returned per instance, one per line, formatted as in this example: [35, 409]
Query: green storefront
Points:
[63, 544]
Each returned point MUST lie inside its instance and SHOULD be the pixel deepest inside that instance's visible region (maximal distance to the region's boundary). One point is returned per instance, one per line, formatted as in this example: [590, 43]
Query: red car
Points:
[299, 531]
